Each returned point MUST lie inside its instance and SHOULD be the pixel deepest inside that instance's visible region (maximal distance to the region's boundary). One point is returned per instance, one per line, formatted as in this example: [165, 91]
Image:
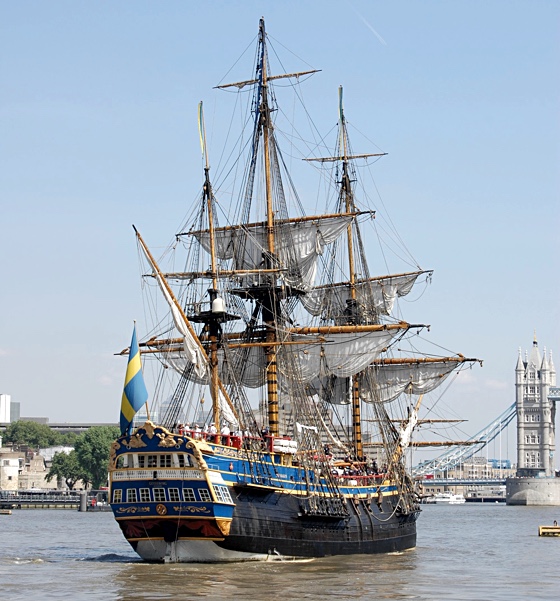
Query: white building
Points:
[11, 466]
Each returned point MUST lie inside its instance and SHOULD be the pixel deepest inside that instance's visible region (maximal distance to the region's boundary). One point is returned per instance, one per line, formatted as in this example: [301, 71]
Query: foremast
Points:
[190, 342]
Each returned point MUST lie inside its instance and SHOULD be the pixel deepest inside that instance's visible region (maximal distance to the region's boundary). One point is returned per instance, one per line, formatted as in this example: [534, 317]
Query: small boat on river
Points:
[445, 498]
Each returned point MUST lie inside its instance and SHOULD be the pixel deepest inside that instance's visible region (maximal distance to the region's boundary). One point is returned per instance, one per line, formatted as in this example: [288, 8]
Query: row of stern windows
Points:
[174, 495]
[142, 461]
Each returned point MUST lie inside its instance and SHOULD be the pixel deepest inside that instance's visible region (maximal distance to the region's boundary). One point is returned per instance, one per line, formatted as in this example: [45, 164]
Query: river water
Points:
[486, 552]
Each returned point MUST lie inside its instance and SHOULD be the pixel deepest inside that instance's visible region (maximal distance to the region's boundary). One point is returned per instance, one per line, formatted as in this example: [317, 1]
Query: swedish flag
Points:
[135, 393]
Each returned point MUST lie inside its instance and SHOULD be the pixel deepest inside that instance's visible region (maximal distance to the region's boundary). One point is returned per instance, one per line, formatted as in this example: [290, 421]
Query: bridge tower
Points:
[534, 378]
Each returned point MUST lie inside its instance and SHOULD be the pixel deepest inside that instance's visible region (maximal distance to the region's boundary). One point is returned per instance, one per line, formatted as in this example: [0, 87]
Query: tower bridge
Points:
[535, 408]
[455, 456]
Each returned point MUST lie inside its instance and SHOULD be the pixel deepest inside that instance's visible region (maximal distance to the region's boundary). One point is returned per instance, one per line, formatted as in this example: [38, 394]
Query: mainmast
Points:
[267, 291]
[217, 308]
[266, 126]
[270, 301]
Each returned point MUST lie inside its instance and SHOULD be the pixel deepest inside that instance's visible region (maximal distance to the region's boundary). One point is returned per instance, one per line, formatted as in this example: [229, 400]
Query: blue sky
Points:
[98, 116]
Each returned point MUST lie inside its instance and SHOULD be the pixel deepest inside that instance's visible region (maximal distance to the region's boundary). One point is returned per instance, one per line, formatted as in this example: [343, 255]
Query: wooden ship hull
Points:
[279, 517]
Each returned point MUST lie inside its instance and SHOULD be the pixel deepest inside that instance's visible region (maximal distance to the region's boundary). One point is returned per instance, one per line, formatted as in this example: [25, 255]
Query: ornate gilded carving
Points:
[191, 509]
[113, 455]
[229, 452]
[224, 525]
[135, 442]
[161, 509]
[149, 428]
[133, 510]
[168, 440]
[196, 448]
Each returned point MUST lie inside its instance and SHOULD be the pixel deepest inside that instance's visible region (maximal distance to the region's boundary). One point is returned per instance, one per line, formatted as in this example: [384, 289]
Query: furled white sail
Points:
[331, 389]
[413, 378]
[247, 365]
[342, 355]
[226, 413]
[405, 434]
[374, 295]
[244, 366]
[298, 244]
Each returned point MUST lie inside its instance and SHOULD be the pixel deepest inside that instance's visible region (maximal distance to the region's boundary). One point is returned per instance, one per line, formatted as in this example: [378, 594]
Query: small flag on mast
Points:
[134, 393]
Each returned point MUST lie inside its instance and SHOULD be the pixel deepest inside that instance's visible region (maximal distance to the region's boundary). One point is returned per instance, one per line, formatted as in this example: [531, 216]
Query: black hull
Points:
[169, 514]
[274, 524]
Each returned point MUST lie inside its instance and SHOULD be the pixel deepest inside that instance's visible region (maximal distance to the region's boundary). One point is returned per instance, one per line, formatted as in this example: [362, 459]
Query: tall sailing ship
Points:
[281, 377]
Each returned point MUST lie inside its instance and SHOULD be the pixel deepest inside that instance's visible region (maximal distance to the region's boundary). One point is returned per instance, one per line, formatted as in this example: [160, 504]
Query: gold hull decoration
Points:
[133, 510]
[197, 448]
[149, 428]
[202, 509]
[135, 442]
[113, 455]
[224, 525]
[168, 440]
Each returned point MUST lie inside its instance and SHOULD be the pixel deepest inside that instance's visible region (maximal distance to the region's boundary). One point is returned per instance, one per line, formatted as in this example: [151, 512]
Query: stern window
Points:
[204, 494]
[159, 494]
[183, 460]
[222, 494]
[165, 461]
[188, 495]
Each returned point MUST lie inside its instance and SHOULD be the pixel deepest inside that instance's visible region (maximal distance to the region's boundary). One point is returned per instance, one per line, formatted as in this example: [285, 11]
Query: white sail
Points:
[246, 366]
[181, 363]
[412, 378]
[342, 355]
[373, 296]
[226, 413]
[405, 434]
[298, 244]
